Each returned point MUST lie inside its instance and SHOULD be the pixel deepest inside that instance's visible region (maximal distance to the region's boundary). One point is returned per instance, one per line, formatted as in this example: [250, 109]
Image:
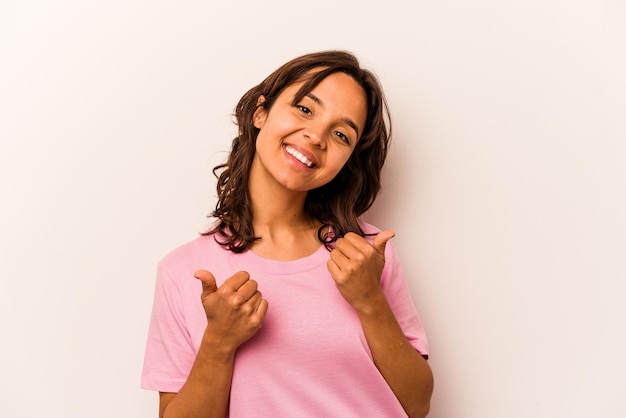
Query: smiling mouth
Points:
[298, 156]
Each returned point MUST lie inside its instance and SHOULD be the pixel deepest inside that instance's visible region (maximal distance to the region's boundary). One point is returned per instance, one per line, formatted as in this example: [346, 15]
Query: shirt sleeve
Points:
[398, 295]
[169, 351]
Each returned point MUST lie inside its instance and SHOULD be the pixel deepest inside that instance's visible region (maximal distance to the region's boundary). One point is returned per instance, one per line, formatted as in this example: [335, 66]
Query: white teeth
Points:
[299, 156]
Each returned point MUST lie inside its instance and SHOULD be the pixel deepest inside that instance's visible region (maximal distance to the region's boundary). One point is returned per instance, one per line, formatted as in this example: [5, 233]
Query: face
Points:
[304, 145]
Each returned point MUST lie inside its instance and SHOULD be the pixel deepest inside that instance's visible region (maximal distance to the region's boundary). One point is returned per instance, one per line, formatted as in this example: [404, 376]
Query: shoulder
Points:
[370, 231]
[201, 248]
[368, 228]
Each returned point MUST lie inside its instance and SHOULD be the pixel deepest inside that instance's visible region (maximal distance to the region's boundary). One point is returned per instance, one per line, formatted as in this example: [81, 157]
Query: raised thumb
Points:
[380, 241]
[208, 281]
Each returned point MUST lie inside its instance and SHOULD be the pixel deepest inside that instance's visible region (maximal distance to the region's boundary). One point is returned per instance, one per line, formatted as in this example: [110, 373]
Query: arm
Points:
[356, 267]
[404, 369]
[235, 312]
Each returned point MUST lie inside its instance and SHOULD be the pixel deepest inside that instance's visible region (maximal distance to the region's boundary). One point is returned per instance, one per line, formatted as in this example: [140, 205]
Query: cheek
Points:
[345, 156]
[340, 161]
[283, 122]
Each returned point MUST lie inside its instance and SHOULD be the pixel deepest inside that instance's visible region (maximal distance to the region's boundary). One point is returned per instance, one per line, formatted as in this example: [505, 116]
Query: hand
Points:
[234, 311]
[356, 266]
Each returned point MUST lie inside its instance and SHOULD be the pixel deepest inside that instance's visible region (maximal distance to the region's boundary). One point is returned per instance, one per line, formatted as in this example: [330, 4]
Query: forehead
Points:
[337, 91]
[309, 81]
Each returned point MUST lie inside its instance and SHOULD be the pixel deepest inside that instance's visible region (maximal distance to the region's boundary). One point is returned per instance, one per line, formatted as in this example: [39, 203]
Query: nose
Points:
[314, 133]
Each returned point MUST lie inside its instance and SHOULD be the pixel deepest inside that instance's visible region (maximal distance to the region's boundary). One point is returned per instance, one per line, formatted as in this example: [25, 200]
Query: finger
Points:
[255, 299]
[339, 258]
[235, 281]
[333, 269]
[262, 309]
[246, 291]
[257, 309]
[380, 242]
[250, 306]
[208, 281]
[351, 245]
[360, 245]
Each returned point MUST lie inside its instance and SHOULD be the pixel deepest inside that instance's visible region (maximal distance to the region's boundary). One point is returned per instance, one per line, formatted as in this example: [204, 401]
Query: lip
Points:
[308, 154]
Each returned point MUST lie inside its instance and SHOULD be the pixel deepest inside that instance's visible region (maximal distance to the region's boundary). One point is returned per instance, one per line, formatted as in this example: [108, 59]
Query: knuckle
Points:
[255, 322]
[340, 278]
[236, 301]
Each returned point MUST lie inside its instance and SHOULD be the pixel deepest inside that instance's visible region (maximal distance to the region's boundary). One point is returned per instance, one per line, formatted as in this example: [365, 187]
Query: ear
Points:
[258, 118]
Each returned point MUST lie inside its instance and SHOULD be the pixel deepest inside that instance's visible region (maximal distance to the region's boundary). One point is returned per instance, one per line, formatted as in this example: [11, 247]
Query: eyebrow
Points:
[347, 121]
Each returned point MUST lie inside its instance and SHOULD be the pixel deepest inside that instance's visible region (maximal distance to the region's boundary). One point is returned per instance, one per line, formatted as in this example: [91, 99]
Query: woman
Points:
[304, 309]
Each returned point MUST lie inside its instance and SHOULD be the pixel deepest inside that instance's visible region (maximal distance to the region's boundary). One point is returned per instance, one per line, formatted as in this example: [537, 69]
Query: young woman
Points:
[290, 306]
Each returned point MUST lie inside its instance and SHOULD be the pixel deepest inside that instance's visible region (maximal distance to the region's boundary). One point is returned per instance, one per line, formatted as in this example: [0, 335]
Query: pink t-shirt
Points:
[310, 358]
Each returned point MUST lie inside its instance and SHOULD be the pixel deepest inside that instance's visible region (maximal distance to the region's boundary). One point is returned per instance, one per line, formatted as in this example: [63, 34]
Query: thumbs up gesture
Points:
[234, 311]
[356, 266]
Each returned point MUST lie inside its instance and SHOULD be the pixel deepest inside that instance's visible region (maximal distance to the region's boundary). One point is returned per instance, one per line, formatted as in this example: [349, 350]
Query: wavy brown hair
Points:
[337, 204]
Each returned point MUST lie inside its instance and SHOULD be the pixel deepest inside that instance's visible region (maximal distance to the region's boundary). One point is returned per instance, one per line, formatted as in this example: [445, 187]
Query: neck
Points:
[284, 231]
[279, 220]
[273, 205]
[276, 213]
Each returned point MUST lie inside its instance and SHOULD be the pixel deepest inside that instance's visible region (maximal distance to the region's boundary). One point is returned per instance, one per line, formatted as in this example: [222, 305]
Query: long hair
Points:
[337, 204]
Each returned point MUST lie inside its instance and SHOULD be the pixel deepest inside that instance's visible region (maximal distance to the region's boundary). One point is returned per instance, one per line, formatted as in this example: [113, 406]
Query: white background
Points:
[506, 185]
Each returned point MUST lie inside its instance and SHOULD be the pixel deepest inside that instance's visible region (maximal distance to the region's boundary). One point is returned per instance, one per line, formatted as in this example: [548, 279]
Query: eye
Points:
[304, 109]
[343, 137]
